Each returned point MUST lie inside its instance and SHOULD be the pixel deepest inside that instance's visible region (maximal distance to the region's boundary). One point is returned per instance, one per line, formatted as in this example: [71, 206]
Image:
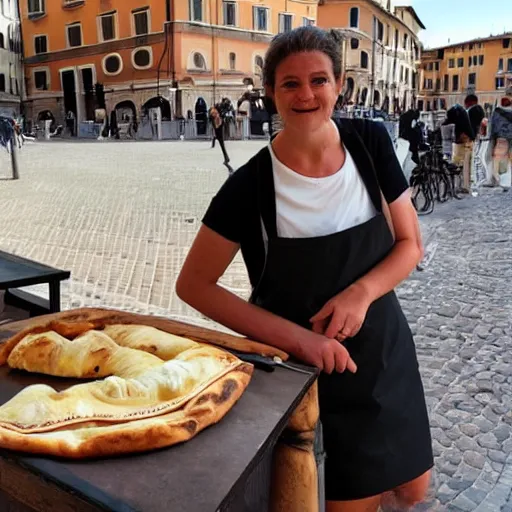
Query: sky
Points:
[454, 21]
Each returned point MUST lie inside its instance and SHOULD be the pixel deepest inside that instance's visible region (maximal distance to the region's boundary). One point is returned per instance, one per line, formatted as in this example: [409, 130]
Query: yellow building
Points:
[480, 66]
[183, 55]
[382, 50]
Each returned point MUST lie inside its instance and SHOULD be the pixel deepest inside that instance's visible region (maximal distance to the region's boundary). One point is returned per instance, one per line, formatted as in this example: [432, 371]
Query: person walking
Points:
[501, 138]
[327, 230]
[217, 124]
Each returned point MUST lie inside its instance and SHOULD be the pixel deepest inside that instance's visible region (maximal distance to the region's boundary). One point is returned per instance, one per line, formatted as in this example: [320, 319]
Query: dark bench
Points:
[16, 272]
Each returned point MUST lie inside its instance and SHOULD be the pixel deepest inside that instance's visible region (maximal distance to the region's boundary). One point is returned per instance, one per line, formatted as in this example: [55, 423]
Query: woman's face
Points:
[305, 90]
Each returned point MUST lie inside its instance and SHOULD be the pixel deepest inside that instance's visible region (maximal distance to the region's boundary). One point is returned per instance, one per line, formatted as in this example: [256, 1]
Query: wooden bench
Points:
[17, 272]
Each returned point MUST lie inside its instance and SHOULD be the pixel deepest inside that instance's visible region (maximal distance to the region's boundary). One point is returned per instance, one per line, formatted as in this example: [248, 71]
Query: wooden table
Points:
[215, 471]
[16, 272]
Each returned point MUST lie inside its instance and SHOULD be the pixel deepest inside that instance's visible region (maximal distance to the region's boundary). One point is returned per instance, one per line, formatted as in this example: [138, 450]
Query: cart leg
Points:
[294, 472]
[54, 296]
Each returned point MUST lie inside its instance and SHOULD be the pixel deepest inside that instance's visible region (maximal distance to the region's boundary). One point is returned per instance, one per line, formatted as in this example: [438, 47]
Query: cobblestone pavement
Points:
[121, 217]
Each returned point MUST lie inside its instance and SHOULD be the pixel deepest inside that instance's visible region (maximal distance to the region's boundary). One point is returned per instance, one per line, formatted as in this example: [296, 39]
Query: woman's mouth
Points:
[304, 110]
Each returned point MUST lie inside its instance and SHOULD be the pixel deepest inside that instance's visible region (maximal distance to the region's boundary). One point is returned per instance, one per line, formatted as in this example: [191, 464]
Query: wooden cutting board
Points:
[75, 321]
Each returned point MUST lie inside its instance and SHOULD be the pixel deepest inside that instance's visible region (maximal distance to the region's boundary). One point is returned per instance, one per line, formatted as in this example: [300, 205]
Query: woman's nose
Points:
[305, 93]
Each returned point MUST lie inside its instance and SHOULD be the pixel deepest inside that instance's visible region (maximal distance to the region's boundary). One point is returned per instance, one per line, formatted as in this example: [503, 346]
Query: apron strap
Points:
[358, 145]
[266, 195]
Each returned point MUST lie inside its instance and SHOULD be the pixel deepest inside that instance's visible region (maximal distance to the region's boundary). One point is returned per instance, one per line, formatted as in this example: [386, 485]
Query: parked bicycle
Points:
[434, 178]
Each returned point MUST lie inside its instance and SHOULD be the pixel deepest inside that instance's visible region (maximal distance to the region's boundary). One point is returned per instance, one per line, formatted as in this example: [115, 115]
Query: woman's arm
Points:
[197, 285]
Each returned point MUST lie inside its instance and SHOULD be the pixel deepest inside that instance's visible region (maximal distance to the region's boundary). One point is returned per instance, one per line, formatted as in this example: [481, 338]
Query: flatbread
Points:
[145, 402]
[93, 354]
[143, 337]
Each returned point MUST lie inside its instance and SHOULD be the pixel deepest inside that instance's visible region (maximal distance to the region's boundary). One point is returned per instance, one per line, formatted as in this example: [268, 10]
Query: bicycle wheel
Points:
[421, 198]
[443, 187]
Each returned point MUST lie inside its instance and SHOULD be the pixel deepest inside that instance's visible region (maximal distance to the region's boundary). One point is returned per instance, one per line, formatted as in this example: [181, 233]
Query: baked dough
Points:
[93, 354]
[144, 402]
[143, 337]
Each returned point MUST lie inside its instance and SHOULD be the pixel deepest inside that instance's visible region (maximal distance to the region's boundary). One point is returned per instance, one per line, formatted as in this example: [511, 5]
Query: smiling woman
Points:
[326, 227]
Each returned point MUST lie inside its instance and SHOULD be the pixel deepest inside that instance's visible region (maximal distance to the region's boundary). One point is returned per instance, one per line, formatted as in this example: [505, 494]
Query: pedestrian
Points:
[462, 152]
[70, 122]
[475, 112]
[324, 251]
[501, 139]
[217, 122]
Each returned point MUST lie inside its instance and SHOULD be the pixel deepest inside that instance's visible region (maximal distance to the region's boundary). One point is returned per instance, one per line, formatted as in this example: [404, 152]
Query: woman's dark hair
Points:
[302, 39]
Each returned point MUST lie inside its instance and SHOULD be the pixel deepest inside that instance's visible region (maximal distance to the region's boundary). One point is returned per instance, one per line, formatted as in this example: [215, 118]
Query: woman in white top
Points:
[307, 213]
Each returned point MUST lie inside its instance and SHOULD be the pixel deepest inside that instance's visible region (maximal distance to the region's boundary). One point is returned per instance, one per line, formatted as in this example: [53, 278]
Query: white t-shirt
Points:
[310, 207]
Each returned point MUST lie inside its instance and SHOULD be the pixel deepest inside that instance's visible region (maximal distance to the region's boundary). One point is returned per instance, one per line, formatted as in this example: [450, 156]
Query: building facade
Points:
[481, 66]
[182, 56]
[382, 51]
[11, 74]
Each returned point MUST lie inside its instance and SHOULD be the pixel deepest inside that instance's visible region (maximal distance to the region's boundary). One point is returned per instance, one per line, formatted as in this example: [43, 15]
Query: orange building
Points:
[480, 66]
[182, 55]
[382, 50]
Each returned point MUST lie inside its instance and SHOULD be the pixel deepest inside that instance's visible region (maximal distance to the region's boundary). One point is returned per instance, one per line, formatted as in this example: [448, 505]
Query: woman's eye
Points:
[320, 80]
[290, 85]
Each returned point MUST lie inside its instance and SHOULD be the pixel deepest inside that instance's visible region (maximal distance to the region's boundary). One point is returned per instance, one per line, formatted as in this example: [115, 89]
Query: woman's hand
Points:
[343, 315]
[326, 354]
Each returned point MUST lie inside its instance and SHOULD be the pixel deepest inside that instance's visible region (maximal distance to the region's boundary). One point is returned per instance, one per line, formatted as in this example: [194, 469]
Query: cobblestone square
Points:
[121, 217]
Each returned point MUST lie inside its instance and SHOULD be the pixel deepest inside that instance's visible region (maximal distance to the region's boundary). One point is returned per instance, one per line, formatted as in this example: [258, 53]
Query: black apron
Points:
[375, 423]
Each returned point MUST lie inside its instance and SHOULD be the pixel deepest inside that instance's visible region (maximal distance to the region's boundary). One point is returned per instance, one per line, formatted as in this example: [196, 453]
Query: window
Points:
[397, 36]
[354, 17]
[2, 82]
[41, 80]
[74, 35]
[407, 76]
[379, 29]
[471, 46]
[196, 10]
[2, 40]
[475, 60]
[141, 22]
[455, 82]
[260, 18]
[41, 44]
[364, 60]
[354, 43]
[481, 60]
[232, 61]
[36, 6]
[446, 84]
[509, 66]
[436, 66]
[451, 63]
[500, 65]
[401, 73]
[107, 26]
[229, 13]
[142, 58]
[438, 84]
[406, 39]
[420, 105]
[430, 66]
[112, 64]
[500, 83]
[460, 62]
[285, 22]
[470, 61]
[506, 42]
[306, 22]
[472, 79]
[258, 65]
[199, 62]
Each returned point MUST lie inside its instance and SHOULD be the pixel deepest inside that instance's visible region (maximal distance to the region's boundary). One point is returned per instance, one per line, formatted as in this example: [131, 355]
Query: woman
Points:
[501, 137]
[217, 123]
[307, 213]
